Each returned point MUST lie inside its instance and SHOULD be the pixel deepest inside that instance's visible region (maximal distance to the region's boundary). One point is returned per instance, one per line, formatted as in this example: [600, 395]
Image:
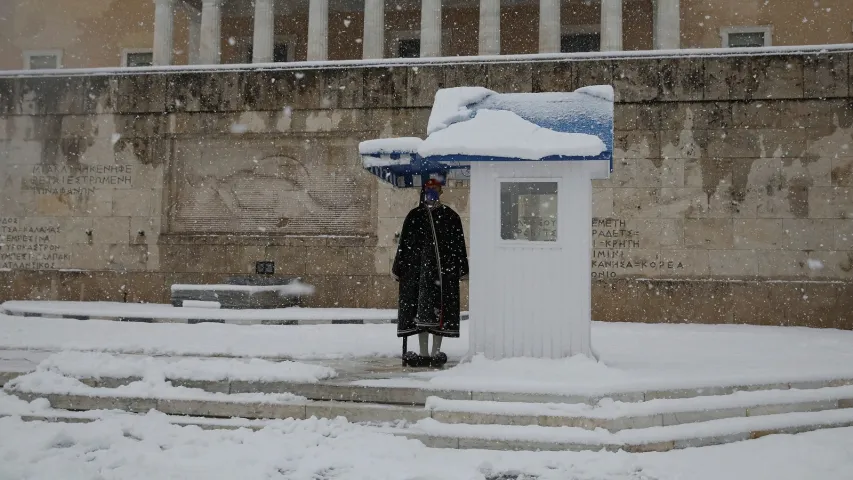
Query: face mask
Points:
[431, 196]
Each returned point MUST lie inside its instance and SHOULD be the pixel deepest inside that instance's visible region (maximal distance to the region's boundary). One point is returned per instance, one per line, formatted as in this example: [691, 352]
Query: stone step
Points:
[655, 413]
[616, 416]
[393, 395]
[412, 396]
[713, 432]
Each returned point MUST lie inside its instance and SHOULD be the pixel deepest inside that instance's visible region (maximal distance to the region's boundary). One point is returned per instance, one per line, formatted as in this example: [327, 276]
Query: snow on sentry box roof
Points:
[469, 124]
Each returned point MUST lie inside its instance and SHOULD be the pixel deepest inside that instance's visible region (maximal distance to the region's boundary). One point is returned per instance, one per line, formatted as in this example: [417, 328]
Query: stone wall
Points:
[731, 198]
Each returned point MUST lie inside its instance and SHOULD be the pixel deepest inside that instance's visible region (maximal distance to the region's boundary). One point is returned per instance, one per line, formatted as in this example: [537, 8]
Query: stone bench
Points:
[245, 293]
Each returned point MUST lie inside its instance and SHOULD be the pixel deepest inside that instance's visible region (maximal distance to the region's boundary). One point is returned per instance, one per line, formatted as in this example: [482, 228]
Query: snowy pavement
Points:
[145, 447]
[98, 364]
[633, 356]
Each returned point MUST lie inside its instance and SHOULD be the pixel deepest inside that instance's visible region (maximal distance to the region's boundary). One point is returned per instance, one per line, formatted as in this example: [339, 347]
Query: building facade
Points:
[112, 33]
[730, 201]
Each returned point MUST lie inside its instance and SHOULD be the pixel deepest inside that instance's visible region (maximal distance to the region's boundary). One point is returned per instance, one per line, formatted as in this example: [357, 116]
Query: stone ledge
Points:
[410, 396]
[195, 321]
[438, 441]
[372, 412]
[268, 240]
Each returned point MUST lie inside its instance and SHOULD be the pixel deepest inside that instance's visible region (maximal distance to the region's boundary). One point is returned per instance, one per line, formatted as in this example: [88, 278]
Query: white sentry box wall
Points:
[532, 299]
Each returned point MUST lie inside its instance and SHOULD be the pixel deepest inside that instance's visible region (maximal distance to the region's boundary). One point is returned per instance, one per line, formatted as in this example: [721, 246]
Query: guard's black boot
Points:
[423, 361]
[439, 360]
[411, 359]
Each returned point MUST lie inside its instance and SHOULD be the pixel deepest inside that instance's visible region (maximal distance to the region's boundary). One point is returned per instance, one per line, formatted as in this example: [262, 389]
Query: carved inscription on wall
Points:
[619, 250]
[77, 180]
[302, 187]
[31, 245]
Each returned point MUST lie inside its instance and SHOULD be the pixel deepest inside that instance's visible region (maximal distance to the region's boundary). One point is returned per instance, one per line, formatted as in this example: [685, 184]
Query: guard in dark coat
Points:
[430, 262]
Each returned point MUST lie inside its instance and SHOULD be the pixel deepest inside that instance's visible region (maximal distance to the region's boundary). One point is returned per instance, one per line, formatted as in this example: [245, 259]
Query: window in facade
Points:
[279, 52]
[409, 48]
[138, 58]
[580, 42]
[42, 60]
[738, 37]
[529, 211]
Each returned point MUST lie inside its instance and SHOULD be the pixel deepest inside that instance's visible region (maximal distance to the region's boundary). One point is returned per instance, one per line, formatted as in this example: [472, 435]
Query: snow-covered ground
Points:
[210, 339]
[633, 356]
[98, 364]
[145, 447]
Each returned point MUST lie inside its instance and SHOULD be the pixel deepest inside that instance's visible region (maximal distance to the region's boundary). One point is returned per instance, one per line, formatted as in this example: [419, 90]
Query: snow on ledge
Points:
[294, 288]
[384, 161]
[389, 146]
[604, 92]
[451, 106]
[501, 133]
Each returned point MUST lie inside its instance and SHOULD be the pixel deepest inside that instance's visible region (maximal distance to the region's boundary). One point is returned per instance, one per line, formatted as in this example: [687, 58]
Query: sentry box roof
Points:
[474, 124]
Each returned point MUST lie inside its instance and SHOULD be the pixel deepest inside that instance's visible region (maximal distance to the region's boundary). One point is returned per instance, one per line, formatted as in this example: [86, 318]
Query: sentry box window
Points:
[529, 211]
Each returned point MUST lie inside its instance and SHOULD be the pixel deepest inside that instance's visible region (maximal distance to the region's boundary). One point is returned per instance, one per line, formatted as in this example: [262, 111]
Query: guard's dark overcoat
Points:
[429, 277]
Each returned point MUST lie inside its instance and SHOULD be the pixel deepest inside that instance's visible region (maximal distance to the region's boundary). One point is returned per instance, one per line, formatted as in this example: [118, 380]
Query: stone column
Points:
[263, 38]
[194, 41]
[430, 28]
[318, 30]
[611, 25]
[490, 27]
[667, 24]
[373, 41]
[549, 26]
[164, 19]
[211, 36]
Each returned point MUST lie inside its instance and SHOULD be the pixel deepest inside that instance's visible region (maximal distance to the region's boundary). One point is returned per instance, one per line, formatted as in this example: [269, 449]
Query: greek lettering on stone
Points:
[614, 251]
[25, 246]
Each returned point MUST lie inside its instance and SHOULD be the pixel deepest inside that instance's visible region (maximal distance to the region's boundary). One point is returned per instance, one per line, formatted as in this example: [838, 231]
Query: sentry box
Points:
[530, 159]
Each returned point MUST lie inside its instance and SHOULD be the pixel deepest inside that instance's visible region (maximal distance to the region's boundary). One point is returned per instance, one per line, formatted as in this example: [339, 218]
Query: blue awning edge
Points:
[406, 162]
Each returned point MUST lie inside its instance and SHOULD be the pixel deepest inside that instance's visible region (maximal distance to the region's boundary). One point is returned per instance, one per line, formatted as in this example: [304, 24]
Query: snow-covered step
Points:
[502, 437]
[712, 432]
[608, 415]
[614, 416]
[411, 396]
[260, 409]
